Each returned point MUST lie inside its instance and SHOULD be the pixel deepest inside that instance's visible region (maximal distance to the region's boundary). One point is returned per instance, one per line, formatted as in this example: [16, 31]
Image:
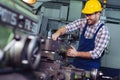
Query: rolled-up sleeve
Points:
[101, 42]
[75, 25]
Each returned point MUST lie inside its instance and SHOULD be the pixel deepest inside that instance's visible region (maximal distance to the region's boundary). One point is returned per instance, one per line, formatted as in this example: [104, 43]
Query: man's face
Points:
[92, 18]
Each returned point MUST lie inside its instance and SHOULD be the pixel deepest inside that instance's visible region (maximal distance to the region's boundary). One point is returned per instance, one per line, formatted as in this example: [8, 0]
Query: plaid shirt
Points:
[101, 39]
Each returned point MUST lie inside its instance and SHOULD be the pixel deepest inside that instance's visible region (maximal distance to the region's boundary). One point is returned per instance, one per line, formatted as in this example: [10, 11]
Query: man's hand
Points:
[72, 52]
[59, 32]
[55, 36]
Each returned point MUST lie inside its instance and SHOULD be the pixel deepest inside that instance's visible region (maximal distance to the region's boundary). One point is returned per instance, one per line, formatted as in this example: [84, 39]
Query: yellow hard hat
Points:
[29, 1]
[92, 6]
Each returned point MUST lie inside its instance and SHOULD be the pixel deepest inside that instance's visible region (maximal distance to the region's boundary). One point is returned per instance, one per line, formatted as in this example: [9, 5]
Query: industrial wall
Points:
[112, 57]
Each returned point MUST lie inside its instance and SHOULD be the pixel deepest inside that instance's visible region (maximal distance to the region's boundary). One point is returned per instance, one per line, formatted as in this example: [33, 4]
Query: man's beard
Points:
[91, 22]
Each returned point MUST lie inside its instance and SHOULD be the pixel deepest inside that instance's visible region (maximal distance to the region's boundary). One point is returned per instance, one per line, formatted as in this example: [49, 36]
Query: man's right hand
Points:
[55, 36]
[59, 32]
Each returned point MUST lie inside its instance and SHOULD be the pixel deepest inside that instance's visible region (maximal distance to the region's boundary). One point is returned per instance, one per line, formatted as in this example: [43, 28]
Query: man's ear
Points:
[99, 13]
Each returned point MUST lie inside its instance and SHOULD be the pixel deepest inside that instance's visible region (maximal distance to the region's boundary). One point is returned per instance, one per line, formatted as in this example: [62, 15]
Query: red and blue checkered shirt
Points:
[101, 40]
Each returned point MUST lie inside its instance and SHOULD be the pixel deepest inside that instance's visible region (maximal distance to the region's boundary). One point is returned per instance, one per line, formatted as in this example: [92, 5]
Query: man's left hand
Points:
[72, 52]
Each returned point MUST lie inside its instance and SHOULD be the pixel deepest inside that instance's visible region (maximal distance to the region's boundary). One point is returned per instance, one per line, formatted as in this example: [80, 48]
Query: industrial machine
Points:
[29, 50]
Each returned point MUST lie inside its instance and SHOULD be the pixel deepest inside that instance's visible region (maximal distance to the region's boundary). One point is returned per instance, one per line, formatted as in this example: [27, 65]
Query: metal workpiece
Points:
[51, 45]
[94, 74]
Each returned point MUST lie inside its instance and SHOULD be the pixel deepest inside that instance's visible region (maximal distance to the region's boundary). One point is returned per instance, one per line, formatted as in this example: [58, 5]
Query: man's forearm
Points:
[74, 53]
[61, 31]
[84, 54]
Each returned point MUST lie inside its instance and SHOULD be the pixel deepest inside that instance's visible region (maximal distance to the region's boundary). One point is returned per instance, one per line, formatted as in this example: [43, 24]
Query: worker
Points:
[94, 37]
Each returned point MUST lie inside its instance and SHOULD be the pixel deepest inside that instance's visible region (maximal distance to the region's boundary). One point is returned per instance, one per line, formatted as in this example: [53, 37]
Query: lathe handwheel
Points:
[34, 53]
